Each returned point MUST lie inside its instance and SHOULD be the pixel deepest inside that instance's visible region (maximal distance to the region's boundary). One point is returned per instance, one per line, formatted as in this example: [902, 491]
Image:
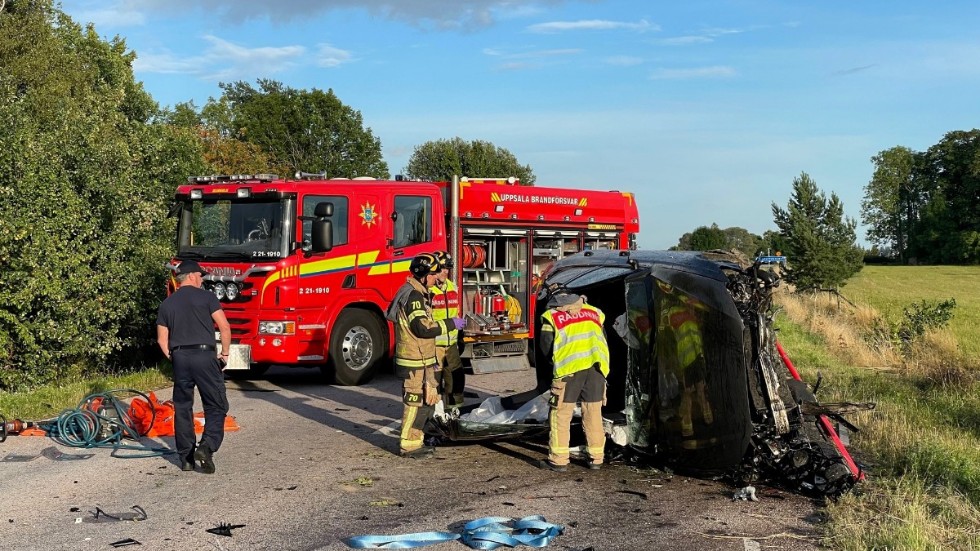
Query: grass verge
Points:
[49, 401]
[920, 447]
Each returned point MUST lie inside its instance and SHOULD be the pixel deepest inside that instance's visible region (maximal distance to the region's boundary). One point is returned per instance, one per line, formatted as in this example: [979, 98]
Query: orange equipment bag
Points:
[141, 413]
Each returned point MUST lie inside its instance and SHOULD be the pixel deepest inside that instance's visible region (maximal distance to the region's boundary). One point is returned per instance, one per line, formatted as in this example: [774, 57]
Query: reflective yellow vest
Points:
[445, 305]
[579, 341]
[684, 322]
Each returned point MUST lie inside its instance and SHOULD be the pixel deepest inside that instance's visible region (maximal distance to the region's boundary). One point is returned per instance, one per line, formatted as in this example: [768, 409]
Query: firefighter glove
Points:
[459, 323]
[430, 387]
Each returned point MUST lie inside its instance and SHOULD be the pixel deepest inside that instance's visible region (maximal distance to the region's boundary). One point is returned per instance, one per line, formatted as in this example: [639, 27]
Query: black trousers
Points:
[198, 368]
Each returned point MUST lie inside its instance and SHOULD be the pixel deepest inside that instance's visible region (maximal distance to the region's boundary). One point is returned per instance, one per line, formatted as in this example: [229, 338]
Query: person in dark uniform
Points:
[185, 332]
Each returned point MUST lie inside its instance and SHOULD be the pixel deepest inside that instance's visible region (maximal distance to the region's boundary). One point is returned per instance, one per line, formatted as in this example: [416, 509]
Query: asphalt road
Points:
[314, 464]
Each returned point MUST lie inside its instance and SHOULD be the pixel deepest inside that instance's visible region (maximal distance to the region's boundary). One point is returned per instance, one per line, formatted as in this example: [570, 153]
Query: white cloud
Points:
[530, 59]
[717, 71]
[111, 18]
[445, 14]
[516, 66]
[704, 37]
[226, 60]
[590, 25]
[685, 40]
[328, 56]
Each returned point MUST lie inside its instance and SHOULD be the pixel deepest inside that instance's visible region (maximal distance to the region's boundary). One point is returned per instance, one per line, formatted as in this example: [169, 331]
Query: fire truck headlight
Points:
[219, 290]
[277, 328]
[231, 291]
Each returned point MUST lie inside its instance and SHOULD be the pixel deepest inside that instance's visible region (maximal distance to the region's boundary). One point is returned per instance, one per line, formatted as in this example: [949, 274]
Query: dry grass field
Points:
[920, 447]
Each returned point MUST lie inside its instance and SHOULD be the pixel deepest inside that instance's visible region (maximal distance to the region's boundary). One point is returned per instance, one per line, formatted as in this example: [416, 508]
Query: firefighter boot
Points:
[424, 452]
[203, 454]
[548, 465]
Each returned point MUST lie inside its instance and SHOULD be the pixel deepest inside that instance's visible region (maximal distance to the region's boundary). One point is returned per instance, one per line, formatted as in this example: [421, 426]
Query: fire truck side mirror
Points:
[322, 231]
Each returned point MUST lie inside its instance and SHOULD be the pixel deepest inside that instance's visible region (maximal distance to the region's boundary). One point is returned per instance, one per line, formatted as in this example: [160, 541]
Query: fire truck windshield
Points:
[231, 230]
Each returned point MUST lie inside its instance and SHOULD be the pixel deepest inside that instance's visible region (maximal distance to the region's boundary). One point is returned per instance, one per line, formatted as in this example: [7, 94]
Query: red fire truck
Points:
[306, 268]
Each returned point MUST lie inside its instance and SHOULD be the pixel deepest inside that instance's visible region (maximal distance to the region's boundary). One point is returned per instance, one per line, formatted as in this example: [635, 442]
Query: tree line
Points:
[813, 233]
[919, 208]
[924, 207]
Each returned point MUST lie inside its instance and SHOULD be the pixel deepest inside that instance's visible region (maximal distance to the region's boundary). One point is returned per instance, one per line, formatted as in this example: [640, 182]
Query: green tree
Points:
[948, 230]
[440, 160]
[892, 199]
[705, 238]
[743, 240]
[184, 115]
[773, 243]
[821, 242]
[85, 180]
[308, 131]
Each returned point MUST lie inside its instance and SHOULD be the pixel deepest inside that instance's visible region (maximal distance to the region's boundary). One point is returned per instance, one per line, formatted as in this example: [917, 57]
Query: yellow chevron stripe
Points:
[328, 264]
[273, 277]
[583, 202]
[400, 266]
[371, 257]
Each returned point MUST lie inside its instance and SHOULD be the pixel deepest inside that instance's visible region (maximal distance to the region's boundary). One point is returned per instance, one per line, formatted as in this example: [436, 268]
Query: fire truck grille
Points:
[239, 326]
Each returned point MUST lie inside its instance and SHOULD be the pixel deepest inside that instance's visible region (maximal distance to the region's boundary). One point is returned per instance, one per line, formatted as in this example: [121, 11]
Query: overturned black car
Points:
[698, 381]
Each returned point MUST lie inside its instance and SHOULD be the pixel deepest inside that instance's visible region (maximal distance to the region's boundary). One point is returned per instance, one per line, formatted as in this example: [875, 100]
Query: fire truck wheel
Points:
[356, 346]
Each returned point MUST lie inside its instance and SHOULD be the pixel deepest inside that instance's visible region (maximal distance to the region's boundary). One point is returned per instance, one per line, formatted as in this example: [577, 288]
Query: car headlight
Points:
[219, 290]
[231, 291]
[277, 328]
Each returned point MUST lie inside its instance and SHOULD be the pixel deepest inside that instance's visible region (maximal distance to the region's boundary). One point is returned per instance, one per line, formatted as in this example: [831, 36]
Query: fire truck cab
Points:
[305, 268]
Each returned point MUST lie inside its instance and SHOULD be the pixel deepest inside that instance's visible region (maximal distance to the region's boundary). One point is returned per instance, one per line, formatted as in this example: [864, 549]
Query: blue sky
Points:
[706, 110]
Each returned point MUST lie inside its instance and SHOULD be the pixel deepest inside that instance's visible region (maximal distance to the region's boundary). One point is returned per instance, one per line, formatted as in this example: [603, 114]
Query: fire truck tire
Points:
[357, 346]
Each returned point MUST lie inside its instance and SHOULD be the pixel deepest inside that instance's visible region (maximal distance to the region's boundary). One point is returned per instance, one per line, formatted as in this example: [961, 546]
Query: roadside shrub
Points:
[85, 181]
[922, 316]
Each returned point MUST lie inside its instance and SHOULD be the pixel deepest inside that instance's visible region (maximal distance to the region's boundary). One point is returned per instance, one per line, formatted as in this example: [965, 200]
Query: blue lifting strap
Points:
[401, 541]
[493, 532]
[482, 533]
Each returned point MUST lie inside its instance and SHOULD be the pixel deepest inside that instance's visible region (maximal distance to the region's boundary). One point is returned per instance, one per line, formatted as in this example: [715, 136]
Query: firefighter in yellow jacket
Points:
[572, 335]
[445, 305]
[680, 326]
[415, 352]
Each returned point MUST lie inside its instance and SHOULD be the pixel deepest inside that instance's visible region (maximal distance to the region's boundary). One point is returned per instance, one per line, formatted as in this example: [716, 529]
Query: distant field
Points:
[889, 289]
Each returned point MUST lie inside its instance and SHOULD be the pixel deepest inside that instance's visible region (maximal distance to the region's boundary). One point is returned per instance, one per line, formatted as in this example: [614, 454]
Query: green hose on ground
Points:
[102, 420]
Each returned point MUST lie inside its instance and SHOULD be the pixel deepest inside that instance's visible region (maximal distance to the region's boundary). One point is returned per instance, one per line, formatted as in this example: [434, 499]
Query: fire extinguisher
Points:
[498, 305]
[477, 302]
